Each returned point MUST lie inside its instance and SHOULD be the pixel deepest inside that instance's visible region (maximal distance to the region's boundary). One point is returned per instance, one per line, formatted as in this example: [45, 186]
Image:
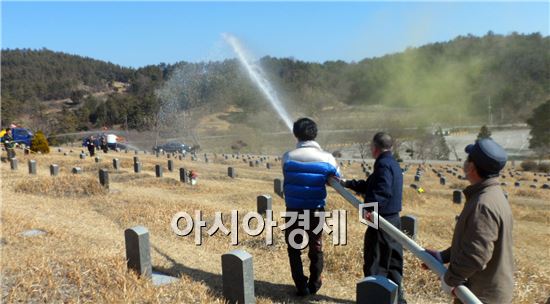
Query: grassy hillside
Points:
[81, 258]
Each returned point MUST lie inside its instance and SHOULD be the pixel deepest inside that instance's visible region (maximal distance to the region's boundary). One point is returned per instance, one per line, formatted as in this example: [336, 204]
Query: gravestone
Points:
[158, 170]
[257, 163]
[268, 165]
[251, 163]
[136, 159]
[238, 277]
[231, 172]
[76, 170]
[64, 153]
[442, 181]
[97, 159]
[116, 164]
[13, 163]
[138, 253]
[506, 195]
[457, 196]
[32, 166]
[414, 186]
[180, 157]
[517, 184]
[263, 203]
[409, 225]
[184, 177]
[533, 186]
[54, 170]
[82, 155]
[376, 289]
[170, 165]
[545, 186]
[278, 187]
[137, 167]
[104, 178]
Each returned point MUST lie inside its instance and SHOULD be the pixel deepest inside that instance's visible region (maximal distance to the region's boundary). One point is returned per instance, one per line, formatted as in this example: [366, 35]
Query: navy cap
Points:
[487, 155]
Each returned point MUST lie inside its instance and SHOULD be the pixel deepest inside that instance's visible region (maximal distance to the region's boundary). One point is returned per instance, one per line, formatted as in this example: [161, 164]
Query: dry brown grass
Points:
[75, 185]
[81, 258]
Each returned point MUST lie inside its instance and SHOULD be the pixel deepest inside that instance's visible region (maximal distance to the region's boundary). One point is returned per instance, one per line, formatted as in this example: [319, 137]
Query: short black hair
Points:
[8, 129]
[305, 129]
[382, 140]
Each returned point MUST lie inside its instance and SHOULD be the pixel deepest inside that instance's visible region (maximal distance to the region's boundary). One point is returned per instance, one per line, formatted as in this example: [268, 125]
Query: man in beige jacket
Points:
[481, 255]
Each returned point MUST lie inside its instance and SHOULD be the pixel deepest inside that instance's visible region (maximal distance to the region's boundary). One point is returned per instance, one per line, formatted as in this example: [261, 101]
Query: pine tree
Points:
[484, 132]
[39, 143]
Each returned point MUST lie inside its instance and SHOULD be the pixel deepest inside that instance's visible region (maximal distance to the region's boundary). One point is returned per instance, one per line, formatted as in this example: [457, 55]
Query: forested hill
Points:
[45, 75]
[461, 76]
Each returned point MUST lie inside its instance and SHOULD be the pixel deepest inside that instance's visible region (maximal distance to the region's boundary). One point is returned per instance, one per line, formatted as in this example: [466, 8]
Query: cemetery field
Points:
[79, 253]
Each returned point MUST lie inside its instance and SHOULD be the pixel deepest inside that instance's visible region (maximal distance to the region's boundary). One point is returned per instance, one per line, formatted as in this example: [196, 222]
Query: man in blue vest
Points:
[306, 170]
[382, 254]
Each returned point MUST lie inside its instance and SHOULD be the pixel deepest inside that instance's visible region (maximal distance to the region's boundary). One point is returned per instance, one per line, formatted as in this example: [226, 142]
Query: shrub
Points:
[528, 165]
[39, 143]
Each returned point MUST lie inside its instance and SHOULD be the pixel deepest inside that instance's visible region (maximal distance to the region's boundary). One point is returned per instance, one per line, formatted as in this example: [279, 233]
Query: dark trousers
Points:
[315, 251]
[11, 153]
[383, 255]
[91, 149]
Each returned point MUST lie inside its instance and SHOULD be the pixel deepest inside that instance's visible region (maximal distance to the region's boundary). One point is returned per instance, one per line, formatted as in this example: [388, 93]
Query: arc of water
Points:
[256, 74]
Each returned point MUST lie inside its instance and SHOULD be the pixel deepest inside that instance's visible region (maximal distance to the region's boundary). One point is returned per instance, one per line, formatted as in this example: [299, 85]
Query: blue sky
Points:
[140, 33]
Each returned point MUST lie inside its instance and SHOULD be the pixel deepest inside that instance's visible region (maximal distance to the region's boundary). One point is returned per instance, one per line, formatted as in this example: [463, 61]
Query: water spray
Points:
[257, 75]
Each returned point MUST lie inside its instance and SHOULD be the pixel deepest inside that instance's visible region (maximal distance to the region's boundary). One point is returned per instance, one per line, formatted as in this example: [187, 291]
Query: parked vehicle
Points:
[21, 136]
[172, 147]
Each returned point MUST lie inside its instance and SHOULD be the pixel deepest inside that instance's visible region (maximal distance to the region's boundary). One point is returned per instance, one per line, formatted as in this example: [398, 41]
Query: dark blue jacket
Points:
[384, 185]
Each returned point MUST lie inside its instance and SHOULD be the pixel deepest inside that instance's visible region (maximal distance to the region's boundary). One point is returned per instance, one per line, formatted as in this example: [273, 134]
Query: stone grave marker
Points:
[32, 166]
[238, 277]
[263, 203]
[54, 170]
[376, 289]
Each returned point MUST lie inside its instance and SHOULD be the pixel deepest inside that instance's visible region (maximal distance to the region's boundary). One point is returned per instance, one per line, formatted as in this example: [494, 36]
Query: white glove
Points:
[446, 288]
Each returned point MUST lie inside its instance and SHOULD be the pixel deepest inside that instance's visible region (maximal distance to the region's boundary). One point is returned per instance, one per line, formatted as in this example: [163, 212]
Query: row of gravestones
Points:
[54, 169]
[238, 272]
[103, 173]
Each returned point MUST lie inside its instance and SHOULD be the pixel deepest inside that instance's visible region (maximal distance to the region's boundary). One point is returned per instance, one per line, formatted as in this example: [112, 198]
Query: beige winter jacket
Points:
[481, 255]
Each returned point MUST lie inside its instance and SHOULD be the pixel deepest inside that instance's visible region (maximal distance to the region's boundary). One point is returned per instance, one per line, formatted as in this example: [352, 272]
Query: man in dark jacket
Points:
[306, 170]
[9, 143]
[481, 253]
[90, 144]
[382, 254]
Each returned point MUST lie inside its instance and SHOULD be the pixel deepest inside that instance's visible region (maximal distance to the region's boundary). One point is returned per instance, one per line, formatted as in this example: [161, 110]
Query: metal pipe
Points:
[461, 292]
